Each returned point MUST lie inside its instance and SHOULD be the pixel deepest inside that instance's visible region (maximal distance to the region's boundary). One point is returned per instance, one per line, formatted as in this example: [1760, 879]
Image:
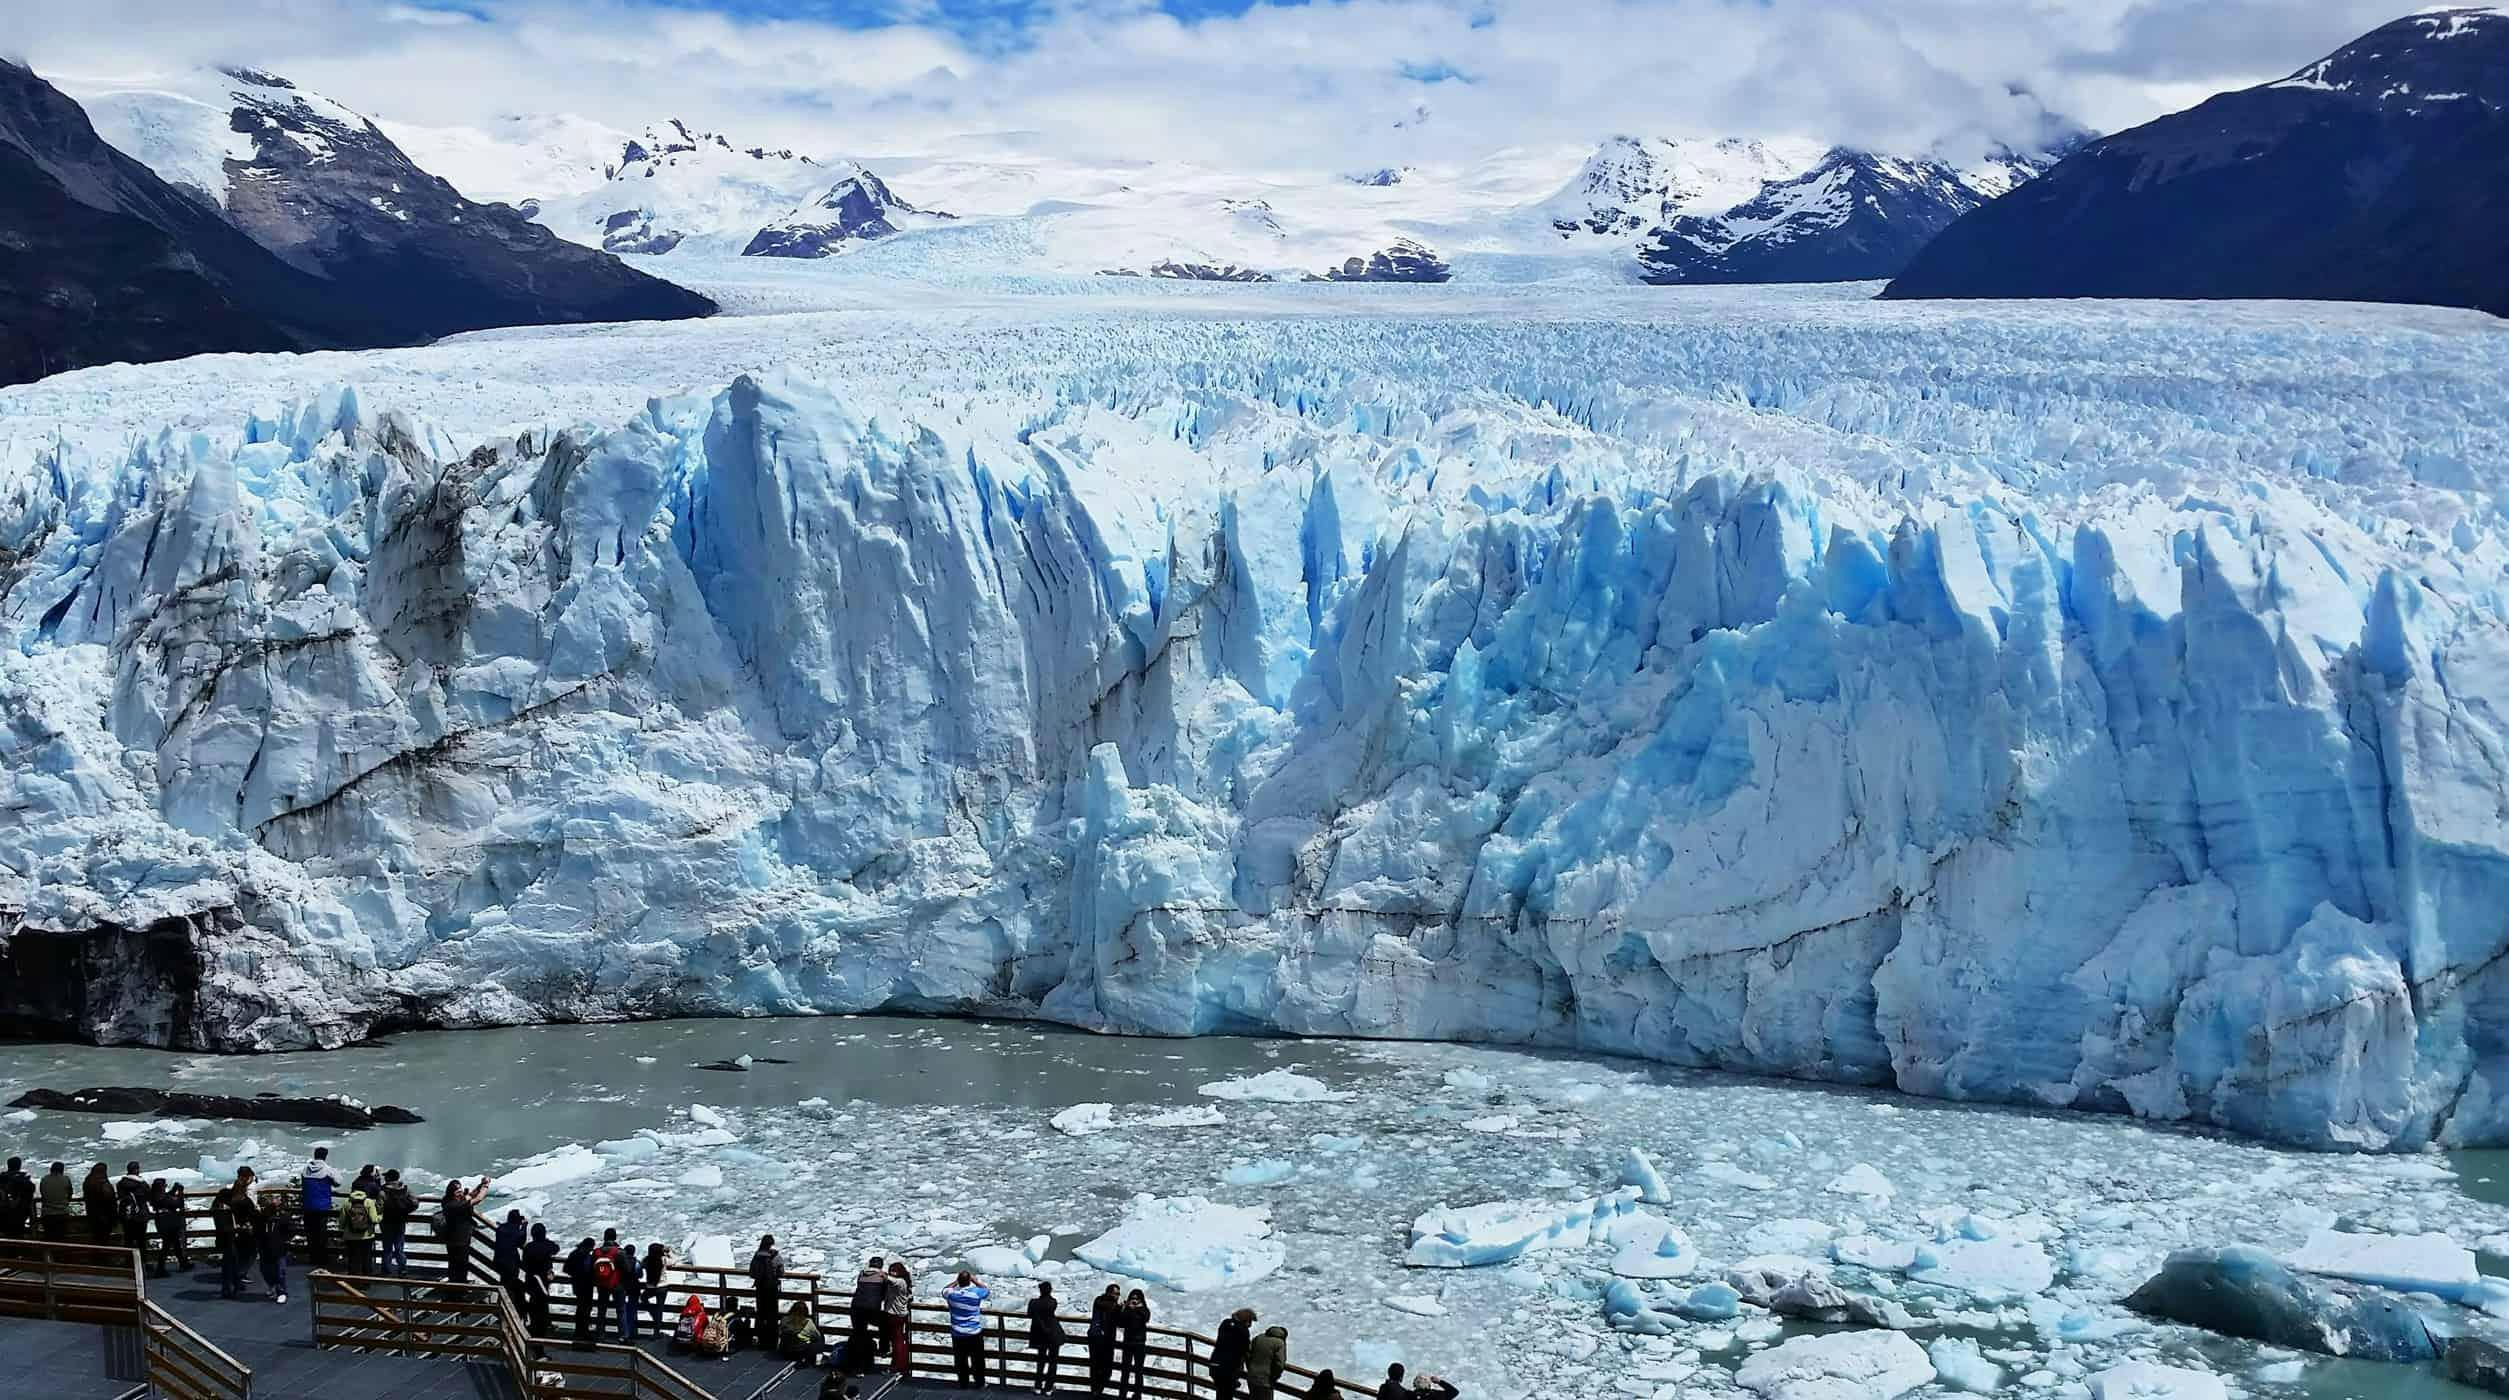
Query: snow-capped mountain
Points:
[102, 260]
[328, 192]
[1850, 217]
[673, 186]
[1632, 185]
[2379, 173]
[857, 208]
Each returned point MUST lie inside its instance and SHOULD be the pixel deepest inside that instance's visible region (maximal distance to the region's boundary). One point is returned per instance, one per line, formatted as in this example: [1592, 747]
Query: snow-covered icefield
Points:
[2093, 705]
[1288, 1177]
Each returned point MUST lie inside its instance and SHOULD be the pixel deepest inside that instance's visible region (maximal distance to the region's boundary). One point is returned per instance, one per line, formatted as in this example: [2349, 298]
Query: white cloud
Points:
[1317, 85]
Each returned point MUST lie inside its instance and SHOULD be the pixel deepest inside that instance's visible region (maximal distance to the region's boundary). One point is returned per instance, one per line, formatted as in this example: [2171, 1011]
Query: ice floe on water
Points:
[1188, 1244]
[1993, 1247]
[1276, 1086]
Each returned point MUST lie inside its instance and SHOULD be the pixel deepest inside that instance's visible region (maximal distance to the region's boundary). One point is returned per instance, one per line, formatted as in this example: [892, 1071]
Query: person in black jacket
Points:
[1136, 1325]
[578, 1271]
[167, 1205]
[130, 1205]
[1228, 1352]
[394, 1208]
[104, 1212]
[1425, 1388]
[540, 1259]
[1045, 1337]
[863, 1310]
[224, 1219]
[1106, 1323]
[17, 1202]
[506, 1253]
[766, 1274]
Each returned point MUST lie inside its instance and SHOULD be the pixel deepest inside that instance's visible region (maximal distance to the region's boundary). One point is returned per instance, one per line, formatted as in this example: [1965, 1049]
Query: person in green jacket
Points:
[56, 1193]
[359, 1223]
[1266, 1360]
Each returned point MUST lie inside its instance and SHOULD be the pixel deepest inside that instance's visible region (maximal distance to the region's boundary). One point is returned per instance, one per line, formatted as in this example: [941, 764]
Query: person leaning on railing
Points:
[1228, 1352]
[1266, 1358]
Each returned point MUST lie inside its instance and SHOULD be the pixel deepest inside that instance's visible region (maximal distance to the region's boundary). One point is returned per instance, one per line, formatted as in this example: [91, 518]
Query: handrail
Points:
[378, 1320]
[185, 1365]
[1175, 1355]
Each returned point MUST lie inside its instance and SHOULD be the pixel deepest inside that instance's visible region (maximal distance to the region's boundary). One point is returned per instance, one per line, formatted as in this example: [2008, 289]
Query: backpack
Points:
[605, 1268]
[134, 1205]
[398, 1204]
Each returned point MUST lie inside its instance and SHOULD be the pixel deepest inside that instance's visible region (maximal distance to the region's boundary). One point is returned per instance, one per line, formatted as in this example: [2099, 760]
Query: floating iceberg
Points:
[2145, 1380]
[1498, 1231]
[2433, 1264]
[1187, 1243]
[1276, 1086]
[1837, 1366]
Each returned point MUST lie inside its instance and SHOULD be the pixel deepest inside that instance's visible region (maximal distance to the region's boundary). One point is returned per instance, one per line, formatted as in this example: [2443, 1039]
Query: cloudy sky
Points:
[1270, 83]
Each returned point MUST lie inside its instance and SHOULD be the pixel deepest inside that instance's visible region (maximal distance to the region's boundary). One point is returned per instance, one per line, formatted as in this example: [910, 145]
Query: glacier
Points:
[2088, 707]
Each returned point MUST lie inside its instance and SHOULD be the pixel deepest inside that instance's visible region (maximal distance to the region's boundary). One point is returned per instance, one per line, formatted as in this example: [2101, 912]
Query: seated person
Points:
[797, 1339]
[692, 1324]
[716, 1337]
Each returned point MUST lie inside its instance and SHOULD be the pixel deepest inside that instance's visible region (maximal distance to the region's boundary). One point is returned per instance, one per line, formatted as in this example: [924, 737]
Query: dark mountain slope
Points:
[2376, 174]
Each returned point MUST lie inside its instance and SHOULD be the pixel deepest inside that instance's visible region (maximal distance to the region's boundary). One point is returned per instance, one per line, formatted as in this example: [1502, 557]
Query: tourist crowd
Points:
[362, 1228]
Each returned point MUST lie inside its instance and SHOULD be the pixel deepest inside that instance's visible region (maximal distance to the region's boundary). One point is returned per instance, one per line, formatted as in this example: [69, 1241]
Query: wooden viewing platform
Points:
[80, 1321]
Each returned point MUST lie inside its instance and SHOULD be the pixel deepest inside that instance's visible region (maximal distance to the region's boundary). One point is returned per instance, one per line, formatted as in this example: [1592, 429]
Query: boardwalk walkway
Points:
[79, 1322]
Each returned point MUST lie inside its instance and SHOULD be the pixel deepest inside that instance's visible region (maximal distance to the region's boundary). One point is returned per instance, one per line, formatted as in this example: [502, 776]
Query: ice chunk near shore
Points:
[1498, 1231]
[2144, 1380]
[1637, 1169]
[2433, 1264]
[1837, 1366]
[1276, 1086]
[1187, 1243]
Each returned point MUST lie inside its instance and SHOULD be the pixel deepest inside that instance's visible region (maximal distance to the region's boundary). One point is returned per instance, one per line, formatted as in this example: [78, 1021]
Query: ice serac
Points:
[1497, 703]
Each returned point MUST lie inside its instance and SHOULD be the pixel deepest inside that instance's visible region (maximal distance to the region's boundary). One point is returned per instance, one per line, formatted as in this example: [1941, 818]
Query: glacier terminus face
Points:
[2103, 707]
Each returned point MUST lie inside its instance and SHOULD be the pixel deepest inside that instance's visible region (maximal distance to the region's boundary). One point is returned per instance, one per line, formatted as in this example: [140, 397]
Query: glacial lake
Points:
[929, 1137]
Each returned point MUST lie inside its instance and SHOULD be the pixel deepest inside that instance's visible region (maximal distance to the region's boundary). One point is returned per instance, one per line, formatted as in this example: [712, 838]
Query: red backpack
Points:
[605, 1267]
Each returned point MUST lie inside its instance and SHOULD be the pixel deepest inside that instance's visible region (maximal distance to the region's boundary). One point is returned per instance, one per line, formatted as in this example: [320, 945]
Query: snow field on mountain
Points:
[2112, 694]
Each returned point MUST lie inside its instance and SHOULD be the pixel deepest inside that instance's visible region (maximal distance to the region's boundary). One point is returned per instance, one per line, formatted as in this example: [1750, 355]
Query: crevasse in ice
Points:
[2081, 735]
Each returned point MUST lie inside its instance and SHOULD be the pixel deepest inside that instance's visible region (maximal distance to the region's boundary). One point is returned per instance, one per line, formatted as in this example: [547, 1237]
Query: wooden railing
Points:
[70, 1283]
[103, 1286]
[477, 1322]
[184, 1365]
[1176, 1364]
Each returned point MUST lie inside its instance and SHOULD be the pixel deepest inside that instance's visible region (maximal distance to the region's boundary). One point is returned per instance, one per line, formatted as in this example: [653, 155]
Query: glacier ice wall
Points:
[1724, 718]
